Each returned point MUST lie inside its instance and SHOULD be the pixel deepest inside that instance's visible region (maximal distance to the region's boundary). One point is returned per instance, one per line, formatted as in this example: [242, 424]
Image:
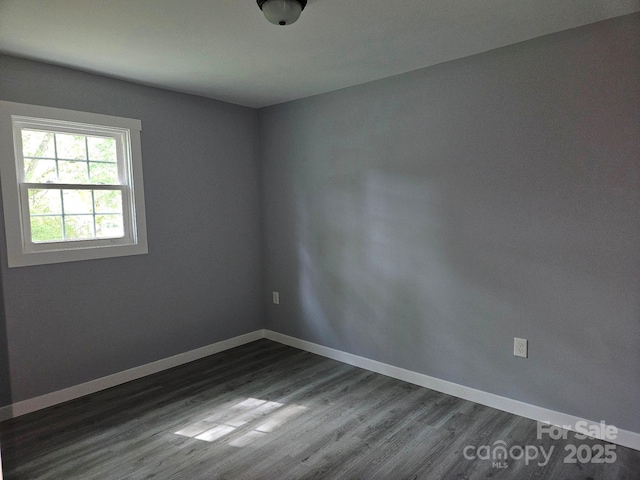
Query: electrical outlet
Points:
[276, 298]
[520, 347]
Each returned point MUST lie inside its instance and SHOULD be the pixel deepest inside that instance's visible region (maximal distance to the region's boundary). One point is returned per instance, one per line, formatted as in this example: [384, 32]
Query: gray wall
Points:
[201, 281]
[426, 219]
[5, 381]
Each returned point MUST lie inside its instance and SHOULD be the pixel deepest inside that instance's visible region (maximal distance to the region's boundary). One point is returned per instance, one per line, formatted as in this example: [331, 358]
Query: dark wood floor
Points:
[268, 411]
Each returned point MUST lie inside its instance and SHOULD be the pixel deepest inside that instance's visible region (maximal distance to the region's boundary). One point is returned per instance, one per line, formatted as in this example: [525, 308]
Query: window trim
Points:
[20, 250]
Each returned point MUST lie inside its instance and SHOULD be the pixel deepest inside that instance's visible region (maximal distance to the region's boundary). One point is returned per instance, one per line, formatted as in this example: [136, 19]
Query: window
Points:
[71, 185]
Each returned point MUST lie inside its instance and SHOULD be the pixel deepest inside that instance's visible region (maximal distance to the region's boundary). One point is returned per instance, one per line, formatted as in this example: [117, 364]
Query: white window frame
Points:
[21, 251]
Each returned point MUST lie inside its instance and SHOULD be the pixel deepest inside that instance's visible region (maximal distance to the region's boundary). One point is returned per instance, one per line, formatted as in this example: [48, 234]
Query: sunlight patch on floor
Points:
[267, 416]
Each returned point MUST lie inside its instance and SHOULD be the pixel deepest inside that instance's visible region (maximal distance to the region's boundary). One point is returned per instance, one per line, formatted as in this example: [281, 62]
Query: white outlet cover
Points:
[520, 347]
[276, 298]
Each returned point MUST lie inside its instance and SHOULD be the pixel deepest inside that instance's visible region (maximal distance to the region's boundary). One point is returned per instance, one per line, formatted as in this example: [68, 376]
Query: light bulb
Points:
[282, 12]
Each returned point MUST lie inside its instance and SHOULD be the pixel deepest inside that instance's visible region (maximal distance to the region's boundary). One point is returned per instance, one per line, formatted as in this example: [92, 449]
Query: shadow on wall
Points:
[437, 275]
[388, 268]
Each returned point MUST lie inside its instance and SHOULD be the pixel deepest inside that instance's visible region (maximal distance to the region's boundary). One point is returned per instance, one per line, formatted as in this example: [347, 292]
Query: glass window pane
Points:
[78, 227]
[37, 144]
[46, 229]
[106, 173]
[109, 226]
[44, 201]
[107, 201]
[72, 172]
[40, 171]
[77, 201]
[71, 146]
[102, 148]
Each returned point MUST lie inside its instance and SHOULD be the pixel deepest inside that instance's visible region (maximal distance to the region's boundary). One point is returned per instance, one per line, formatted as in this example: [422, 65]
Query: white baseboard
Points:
[93, 386]
[624, 437]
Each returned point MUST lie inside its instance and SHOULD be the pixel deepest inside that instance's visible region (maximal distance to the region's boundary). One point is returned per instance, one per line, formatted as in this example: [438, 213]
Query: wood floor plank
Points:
[268, 411]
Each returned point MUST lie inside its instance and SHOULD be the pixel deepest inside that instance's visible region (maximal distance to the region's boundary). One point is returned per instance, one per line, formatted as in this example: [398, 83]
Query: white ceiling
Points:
[226, 49]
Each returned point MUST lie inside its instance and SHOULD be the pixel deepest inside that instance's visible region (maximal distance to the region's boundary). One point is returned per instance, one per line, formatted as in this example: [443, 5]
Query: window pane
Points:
[107, 201]
[39, 171]
[46, 229]
[71, 146]
[102, 148]
[77, 201]
[106, 173]
[72, 172]
[78, 227]
[37, 144]
[109, 226]
[51, 155]
[44, 201]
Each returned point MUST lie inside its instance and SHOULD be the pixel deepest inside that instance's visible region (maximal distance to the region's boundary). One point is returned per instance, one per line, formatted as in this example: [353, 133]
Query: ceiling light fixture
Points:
[282, 12]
